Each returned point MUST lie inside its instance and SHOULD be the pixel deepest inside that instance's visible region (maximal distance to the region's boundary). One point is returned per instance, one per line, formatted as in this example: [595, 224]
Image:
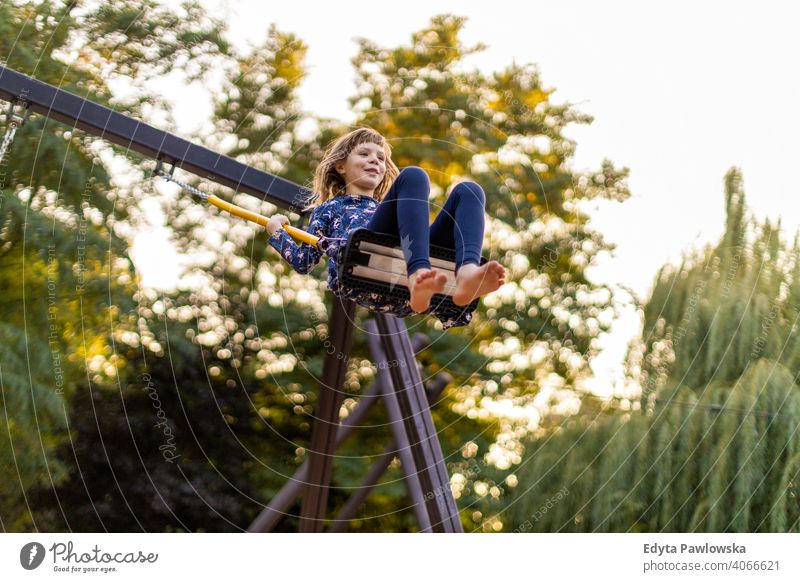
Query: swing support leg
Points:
[281, 503]
[407, 405]
[326, 421]
[392, 450]
[412, 425]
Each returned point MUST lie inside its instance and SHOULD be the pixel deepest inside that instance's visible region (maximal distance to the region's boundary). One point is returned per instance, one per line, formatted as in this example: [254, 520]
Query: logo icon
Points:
[405, 245]
[31, 555]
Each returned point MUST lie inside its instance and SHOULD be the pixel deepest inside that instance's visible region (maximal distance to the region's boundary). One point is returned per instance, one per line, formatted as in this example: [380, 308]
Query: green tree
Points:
[712, 443]
[504, 131]
[215, 354]
[65, 277]
[235, 349]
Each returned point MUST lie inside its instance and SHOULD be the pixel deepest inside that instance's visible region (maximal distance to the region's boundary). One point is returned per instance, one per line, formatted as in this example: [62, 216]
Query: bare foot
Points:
[423, 283]
[473, 281]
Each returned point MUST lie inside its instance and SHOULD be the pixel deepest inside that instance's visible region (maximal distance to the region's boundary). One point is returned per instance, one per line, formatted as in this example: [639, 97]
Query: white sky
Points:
[680, 92]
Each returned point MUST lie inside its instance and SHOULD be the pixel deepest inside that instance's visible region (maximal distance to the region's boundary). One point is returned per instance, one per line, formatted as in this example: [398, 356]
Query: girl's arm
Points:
[304, 256]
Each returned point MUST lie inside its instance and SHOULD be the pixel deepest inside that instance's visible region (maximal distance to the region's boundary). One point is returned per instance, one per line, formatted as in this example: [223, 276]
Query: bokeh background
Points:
[638, 372]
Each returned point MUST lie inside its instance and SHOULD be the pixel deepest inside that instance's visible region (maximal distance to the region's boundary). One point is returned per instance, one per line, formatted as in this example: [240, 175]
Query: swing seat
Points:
[373, 262]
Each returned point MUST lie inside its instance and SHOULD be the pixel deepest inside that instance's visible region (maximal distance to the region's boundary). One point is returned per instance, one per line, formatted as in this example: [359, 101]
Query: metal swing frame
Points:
[399, 386]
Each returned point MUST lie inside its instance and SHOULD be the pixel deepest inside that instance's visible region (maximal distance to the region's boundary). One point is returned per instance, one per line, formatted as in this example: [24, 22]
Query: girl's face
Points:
[364, 169]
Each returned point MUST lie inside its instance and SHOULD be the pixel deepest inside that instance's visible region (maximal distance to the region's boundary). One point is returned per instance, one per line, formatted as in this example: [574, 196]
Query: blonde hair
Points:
[329, 183]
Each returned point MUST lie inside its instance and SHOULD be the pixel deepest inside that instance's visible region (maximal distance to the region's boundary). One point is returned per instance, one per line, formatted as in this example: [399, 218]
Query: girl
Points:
[358, 185]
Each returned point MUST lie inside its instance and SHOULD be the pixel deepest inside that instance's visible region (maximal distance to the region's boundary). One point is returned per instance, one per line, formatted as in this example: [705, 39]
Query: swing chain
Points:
[14, 123]
[159, 171]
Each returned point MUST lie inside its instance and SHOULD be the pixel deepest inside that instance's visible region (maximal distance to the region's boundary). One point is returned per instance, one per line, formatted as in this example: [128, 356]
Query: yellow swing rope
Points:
[294, 232]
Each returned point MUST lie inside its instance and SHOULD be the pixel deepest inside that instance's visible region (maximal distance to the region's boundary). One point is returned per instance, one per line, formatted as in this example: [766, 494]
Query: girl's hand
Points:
[275, 222]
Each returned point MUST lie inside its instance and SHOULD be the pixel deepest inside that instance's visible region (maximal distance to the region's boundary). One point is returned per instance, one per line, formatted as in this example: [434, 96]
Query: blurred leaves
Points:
[711, 444]
[235, 349]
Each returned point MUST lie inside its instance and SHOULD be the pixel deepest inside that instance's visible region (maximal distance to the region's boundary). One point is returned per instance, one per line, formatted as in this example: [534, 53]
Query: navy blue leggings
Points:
[404, 212]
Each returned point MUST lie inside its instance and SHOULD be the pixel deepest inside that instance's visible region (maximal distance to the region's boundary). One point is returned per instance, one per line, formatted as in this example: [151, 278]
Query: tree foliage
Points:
[712, 443]
[220, 373]
[65, 277]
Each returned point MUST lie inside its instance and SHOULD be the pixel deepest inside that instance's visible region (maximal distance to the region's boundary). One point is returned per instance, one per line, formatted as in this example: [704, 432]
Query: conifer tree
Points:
[711, 444]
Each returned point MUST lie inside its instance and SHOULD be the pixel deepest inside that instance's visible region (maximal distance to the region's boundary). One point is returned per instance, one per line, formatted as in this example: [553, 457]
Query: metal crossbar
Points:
[135, 135]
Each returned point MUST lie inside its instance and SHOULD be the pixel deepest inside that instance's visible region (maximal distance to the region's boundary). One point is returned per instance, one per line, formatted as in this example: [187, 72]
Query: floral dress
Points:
[335, 219]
